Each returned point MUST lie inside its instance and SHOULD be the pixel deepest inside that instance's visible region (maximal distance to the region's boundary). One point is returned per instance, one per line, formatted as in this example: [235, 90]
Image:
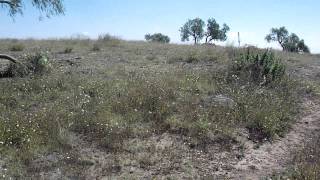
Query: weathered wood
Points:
[10, 58]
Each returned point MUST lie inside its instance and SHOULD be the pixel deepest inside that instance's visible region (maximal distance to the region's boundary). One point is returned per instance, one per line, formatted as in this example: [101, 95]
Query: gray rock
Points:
[220, 100]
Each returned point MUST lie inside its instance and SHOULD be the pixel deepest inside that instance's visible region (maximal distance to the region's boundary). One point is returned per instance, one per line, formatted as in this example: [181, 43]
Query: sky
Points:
[132, 19]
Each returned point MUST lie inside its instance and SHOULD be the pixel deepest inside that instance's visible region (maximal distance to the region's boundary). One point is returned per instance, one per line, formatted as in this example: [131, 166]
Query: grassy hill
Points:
[118, 109]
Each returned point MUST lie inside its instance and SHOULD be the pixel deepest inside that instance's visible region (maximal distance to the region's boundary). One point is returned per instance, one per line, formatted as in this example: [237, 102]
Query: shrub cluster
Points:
[37, 64]
[259, 68]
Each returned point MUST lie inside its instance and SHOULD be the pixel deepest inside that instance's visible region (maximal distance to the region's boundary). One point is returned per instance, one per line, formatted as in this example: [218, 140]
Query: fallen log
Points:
[10, 58]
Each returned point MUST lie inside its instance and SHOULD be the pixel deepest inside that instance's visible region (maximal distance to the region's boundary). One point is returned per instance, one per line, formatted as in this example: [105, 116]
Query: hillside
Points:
[135, 110]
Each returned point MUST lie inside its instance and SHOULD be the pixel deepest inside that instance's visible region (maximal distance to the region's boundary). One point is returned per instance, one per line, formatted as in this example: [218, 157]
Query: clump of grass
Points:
[68, 50]
[17, 47]
[109, 40]
[195, 55]
[192, 57]
[96, 47]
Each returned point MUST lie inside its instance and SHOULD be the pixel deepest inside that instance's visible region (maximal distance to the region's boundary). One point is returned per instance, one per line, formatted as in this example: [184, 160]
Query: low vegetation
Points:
[305, 163]
[112, 105]
[16, 47]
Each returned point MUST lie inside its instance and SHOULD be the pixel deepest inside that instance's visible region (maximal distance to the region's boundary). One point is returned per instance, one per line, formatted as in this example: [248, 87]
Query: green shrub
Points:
[68, 50]
[37, 64]
[259, 68]
[17, 47]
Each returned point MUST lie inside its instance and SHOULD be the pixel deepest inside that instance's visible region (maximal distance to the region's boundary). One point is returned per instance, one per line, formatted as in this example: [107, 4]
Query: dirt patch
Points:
[273, 157]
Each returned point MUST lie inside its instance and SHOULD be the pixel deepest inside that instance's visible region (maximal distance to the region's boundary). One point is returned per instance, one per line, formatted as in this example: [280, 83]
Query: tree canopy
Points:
[48, 7]
[157, 37]
[214, 33]
[291, 43]
[193, 28]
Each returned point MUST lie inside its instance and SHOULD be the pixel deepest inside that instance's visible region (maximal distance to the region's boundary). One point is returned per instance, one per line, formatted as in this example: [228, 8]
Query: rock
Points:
[220, 100]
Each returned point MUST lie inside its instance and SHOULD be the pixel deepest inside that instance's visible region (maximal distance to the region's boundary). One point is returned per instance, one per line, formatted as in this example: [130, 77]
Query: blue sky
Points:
[132, 19]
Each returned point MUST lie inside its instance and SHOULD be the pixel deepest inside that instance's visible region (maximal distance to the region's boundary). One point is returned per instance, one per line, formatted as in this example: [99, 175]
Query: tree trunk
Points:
[195, 40]
[10, 58]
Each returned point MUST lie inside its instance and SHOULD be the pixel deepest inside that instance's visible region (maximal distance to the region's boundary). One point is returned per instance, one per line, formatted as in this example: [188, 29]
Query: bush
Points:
[158, 37]
[259, 68]
[17, 47]
[68, 50]
[37, 64]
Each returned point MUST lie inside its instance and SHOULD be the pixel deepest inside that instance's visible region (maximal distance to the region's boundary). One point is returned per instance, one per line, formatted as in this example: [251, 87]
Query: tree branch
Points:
[11, 4]
[10, 58]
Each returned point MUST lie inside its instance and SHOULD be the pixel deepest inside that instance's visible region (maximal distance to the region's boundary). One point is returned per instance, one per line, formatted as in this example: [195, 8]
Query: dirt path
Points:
[269, 158]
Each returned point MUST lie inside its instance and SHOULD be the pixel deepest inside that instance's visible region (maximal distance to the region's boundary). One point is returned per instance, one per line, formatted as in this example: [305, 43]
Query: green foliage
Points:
[294, 44]
[17, 47]
[37, 64]
[158, 37]
[214, 32]
[260, 68]
[193, 28]
[278, 34]
[291, 43]
[264, 87]
[49, 7]
[68, 50]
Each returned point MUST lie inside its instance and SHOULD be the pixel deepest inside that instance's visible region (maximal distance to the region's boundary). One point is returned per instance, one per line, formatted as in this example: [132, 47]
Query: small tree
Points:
[291, 43]
[214, 33]
[157, 37]
[193, 28]
[279, 35]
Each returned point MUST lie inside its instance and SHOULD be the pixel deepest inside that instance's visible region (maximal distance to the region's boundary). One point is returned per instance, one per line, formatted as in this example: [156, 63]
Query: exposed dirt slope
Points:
[273, 157]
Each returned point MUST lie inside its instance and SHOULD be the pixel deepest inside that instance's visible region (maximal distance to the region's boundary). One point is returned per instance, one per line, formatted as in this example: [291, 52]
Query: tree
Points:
[278, 34]
[294, 44]
[49, 7]
[214, 32]
[291, 43]
[193, 28]
[303, 47]
[157, 37]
